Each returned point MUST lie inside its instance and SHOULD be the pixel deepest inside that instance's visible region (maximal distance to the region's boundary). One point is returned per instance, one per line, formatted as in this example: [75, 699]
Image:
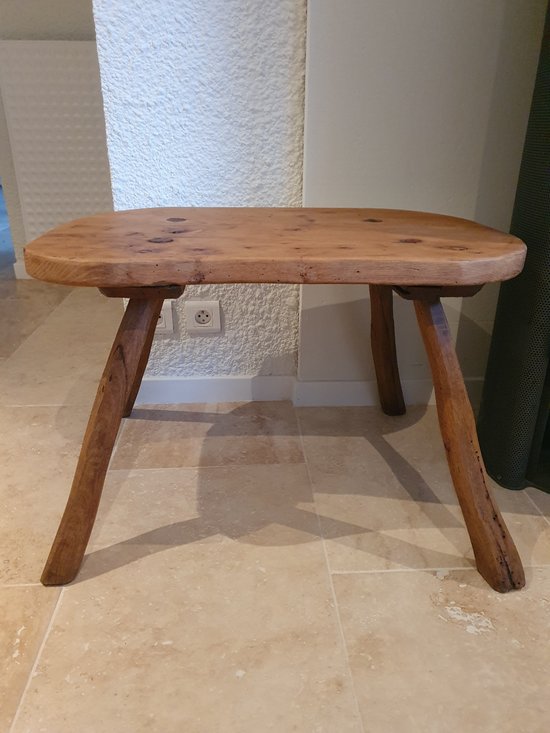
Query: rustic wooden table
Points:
[149, 255]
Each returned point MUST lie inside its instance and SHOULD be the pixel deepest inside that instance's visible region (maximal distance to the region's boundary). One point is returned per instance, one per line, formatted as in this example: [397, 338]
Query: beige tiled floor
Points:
[254, 567]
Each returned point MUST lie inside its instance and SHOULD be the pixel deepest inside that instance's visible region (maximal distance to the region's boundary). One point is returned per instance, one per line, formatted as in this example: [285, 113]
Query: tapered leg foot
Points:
[128, 355]
[496, 556]
[383, 350]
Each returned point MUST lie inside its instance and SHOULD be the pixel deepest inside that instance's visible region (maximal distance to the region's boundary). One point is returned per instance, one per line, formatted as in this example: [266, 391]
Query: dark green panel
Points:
[513, 414]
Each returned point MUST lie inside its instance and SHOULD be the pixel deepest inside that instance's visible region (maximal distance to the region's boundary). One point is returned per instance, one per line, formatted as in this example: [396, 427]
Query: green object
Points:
[513, 423]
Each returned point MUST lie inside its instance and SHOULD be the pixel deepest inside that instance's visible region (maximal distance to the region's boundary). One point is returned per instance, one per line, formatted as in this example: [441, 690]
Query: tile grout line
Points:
[467, 568]
[539, 510]
[201, 467]
[343, 642]
[48, 404]
[402, 570]
[36, 661]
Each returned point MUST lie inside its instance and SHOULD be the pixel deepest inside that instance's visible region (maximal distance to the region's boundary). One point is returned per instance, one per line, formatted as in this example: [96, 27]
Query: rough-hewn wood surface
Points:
[497, 558]
[384, 353]
[132, 254]
[205, 245]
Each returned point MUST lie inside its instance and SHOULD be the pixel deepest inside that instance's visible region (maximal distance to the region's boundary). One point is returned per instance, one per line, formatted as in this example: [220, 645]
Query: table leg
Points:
[383, 350]
[496, 556]
[141, 366]
[123, 371]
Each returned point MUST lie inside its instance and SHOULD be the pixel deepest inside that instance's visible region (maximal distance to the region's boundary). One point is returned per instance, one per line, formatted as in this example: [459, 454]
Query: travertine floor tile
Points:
[22, 290]
[154, 510]
[62, 376]
[61, 362]
[541, 499]
[196, 631]
[529, 528]
[209, 435]
[443, 655]
[24, 308]
[387, 480]
[85, 315]
[24, 617]
[38, 453]
[204, 603]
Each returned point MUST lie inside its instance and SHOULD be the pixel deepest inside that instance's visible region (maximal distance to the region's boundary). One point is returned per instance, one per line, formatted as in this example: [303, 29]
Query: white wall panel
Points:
[412, 105]
[54, 113]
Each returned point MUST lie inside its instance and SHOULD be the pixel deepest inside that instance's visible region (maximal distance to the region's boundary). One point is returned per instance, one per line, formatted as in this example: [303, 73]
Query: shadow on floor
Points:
[249, 514]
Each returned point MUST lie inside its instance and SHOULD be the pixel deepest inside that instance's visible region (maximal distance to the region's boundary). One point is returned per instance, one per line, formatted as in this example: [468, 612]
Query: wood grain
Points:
[384, 353]
[150, 254]
[169, 246]
[146, 349]
[125, 359]
[497, 558]
[168, 292]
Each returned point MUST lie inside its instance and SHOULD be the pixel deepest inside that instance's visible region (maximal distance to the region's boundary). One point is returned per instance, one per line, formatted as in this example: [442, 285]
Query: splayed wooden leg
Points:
[140, 370]
[128, 356]
[165, 292]
[384, 354]
[497, 558]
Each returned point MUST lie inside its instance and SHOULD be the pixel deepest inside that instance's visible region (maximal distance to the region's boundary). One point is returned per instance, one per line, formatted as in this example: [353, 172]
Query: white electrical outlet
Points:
[202, 317]
[166, 319]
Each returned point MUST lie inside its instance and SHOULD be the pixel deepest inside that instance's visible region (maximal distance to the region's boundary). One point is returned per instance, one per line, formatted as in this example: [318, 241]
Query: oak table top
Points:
[163, 246]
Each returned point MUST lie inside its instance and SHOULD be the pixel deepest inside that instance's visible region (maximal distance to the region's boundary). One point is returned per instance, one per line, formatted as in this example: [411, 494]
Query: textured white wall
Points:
[413, 105]
[204, 107]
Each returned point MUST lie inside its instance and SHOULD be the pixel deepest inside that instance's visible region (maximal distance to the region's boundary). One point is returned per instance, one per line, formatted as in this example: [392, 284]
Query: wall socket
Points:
[202, 317]
[166, 318]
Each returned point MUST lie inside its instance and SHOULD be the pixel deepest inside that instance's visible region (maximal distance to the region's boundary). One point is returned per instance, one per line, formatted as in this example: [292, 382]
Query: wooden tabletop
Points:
[228, 245]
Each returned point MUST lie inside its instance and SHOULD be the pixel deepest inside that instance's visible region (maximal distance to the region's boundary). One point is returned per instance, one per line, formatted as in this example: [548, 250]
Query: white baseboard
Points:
[334, 393]
[20, 271]
[185, 390]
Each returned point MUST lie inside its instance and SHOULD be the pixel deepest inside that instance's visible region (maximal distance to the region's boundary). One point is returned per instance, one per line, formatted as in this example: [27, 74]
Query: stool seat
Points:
[183, 246]
[149, 255]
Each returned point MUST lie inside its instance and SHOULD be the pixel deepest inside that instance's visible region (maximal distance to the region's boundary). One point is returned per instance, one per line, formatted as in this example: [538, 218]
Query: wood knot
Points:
[160, 240]
[411, 240]
[176, 218]
[374, 221]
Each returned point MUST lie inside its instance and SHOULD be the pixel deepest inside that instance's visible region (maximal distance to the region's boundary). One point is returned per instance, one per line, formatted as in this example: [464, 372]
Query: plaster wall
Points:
[413, 105]
[204, 107]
